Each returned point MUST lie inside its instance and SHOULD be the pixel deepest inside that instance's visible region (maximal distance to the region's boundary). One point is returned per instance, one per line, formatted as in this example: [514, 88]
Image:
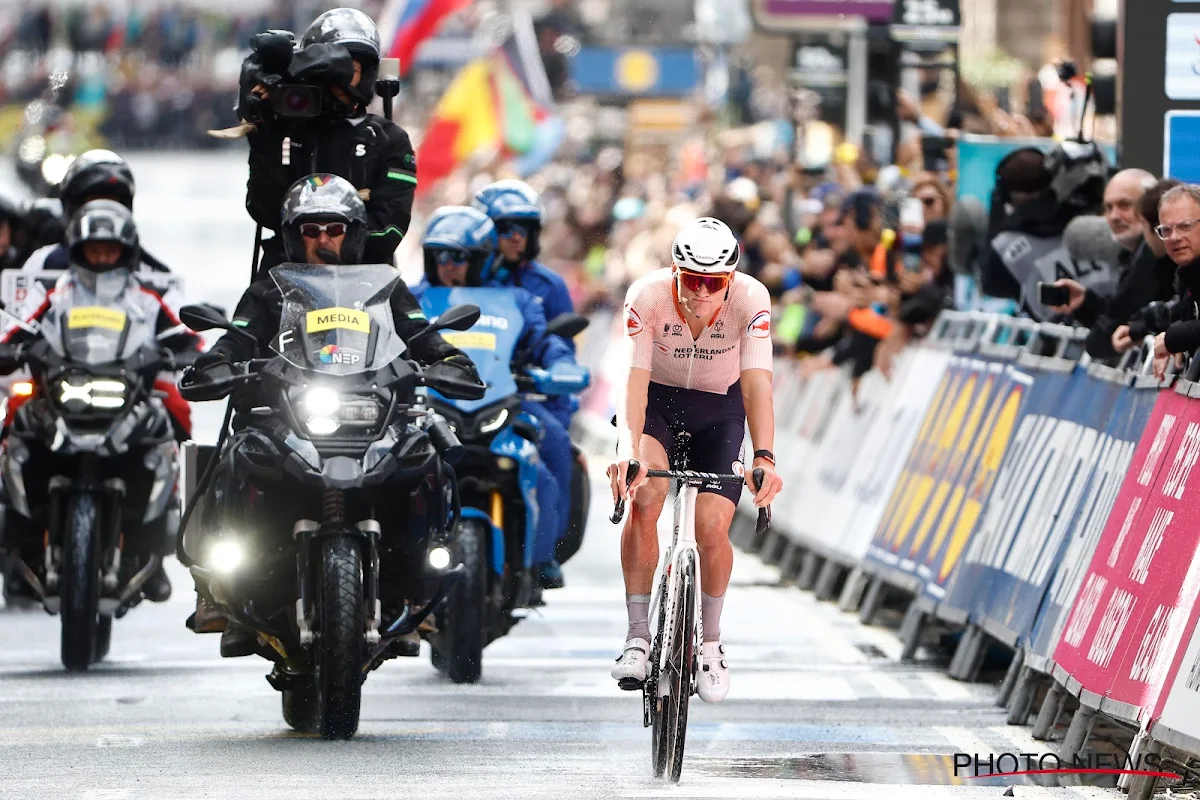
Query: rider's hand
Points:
[618, 476]
[771, 482]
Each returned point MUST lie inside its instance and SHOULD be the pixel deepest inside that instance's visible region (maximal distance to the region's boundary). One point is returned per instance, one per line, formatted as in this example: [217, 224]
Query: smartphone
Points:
[1051, 295]
[912, 213]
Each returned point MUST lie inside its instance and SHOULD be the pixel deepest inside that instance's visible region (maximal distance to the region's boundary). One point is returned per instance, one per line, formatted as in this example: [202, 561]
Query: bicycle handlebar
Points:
[764, 514]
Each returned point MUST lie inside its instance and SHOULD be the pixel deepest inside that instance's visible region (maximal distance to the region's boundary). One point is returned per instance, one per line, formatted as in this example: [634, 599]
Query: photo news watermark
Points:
[995, 765]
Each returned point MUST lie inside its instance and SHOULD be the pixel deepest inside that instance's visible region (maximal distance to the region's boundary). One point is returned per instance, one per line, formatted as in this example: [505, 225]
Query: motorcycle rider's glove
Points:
[457, 368]
[215, 365]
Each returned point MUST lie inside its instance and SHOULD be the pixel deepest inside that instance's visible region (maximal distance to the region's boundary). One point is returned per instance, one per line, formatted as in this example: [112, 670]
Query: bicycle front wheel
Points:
[673, 688]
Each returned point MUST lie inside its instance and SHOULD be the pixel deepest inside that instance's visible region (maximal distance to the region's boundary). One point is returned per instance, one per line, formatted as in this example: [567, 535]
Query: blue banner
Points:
[962, 411]
[1121, 434]
[958, 515]
[636, 72]
[1044, 475]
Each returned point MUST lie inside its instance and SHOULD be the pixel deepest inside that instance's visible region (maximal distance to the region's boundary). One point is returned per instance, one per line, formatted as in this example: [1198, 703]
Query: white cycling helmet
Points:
[706, 245]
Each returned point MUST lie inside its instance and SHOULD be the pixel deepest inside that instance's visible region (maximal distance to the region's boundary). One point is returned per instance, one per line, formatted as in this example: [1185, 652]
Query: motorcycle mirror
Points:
[459, 318]
[568, 326]
[202, 317]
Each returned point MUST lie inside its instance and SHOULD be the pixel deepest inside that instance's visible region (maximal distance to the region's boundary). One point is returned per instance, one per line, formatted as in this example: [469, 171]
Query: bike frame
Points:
[683, 541]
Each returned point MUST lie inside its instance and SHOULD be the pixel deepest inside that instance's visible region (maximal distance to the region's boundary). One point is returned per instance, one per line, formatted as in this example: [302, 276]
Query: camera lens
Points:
[296, 100]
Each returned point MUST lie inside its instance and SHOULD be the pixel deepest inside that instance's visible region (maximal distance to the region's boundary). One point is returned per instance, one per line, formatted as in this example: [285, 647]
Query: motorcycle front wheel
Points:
[340, 645]
[80, 582]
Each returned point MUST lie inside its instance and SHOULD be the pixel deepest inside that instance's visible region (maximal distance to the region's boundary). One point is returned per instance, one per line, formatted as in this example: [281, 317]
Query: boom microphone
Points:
[1088, 238]
[967, 233]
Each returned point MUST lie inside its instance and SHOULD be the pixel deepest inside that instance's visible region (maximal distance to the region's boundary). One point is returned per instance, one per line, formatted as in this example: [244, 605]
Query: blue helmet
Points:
[515, 201]
[465, 229]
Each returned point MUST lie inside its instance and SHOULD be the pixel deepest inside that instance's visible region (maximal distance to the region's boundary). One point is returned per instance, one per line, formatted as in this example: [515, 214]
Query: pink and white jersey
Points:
[738, 339]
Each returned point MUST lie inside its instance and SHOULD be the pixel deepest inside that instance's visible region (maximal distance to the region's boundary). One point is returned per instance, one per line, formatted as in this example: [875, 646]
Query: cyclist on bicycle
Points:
[700, 340]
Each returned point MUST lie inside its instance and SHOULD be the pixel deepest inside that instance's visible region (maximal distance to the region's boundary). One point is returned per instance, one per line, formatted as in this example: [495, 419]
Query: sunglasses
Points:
[695, 281]
[447, 258]
[507, 230]
[312, 230]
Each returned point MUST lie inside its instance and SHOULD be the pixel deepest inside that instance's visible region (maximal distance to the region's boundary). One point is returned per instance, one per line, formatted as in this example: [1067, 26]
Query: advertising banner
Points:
[971, 481]
[1123, 431]
[883, 454]
[1017, 546]
[961, 412]
[1129, 616]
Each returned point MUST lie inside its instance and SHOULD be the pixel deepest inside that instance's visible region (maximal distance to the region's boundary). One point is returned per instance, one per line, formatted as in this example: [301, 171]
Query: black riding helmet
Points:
[324, 198]
[357, 32]
[96, 172]
[103, 221]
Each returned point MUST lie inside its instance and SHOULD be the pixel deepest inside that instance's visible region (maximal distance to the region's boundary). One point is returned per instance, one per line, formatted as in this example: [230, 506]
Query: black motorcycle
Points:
[90, 464]
[324, 523]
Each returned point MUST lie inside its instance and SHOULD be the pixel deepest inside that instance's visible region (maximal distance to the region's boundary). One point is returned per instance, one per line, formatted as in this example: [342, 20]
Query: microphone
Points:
[967, 236]
[1088, 238]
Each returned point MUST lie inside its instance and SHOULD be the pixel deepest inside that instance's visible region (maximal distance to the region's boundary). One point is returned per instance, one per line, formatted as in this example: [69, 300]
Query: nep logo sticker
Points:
[96, 317]
[329, 318]
[332, 354]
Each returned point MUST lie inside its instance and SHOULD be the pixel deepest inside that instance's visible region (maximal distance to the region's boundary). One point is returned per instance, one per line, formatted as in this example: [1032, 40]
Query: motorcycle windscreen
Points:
[337, 320]
[95, 334]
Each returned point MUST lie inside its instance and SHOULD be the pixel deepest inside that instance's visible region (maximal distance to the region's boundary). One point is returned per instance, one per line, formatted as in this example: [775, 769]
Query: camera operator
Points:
[1036, 195]
[309, 109]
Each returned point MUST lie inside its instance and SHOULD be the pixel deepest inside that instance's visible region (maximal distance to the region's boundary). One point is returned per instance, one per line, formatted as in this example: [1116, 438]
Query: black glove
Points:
[459, 372]
[213, 366]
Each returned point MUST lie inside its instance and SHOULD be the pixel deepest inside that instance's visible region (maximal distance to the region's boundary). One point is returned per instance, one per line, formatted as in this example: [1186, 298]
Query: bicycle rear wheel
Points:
[673, 687]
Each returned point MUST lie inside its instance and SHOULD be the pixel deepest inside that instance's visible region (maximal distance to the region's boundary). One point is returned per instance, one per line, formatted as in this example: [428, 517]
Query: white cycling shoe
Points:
[631, 667]
[712, 682]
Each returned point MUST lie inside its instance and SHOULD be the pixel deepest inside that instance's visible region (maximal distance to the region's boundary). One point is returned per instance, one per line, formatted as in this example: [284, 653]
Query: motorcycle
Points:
[497, 477]
[90, 465]
[326, 516]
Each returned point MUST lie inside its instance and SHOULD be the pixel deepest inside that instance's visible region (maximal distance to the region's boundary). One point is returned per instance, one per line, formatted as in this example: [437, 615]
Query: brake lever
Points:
[630, 474]
[764, 513]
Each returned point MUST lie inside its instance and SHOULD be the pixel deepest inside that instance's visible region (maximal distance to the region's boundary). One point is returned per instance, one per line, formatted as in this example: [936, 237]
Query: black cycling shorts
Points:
[717, 424]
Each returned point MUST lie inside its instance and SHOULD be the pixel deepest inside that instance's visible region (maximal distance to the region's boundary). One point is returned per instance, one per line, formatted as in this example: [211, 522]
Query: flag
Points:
[499, 103]
[405, 24]
[463, 123]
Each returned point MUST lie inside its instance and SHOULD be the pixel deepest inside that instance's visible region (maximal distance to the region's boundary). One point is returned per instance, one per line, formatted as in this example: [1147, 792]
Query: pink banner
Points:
[1128, 619]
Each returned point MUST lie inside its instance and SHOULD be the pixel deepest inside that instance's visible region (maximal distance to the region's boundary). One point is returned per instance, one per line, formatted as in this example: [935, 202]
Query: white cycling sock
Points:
[638, 607]
[710, 610]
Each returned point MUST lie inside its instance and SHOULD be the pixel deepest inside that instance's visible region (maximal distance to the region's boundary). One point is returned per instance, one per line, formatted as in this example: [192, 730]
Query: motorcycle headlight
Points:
[494, 422]
[32, 150]
[55, 167]
[324, 411]
[79, 394]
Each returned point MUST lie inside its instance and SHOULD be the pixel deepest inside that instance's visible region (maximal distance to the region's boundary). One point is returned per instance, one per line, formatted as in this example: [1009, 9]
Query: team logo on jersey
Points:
[666, 328]
[633, 322]
[720, 324]
[662, 348]
[677, 329]
[760, 326]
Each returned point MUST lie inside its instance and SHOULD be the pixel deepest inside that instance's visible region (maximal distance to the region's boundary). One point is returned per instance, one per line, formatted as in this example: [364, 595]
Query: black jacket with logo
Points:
[371, 152]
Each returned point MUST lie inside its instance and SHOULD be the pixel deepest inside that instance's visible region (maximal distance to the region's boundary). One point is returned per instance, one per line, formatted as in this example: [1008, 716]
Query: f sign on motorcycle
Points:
[323, 529]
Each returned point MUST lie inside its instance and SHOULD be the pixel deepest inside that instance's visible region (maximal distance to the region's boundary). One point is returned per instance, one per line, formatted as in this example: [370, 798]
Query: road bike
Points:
[673, 661]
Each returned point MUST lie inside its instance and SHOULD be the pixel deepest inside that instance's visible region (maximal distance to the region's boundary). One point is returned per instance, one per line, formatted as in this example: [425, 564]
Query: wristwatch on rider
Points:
[767, 454]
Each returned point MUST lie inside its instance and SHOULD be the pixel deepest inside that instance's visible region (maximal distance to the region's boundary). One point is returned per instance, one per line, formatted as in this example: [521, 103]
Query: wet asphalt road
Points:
[819, 706]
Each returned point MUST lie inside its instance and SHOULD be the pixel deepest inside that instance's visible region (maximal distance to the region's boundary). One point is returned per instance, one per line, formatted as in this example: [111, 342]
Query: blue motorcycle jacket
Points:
[545, 350]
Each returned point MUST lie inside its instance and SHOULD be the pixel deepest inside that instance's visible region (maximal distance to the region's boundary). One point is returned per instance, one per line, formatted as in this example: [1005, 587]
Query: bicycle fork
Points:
[683, 541]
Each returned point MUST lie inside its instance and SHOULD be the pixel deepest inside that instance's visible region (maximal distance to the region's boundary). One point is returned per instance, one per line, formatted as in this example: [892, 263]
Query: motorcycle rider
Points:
[95, 175]
[371, 152]
[104, 253]
[516, 210]
[324, 221]
[460, 245]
